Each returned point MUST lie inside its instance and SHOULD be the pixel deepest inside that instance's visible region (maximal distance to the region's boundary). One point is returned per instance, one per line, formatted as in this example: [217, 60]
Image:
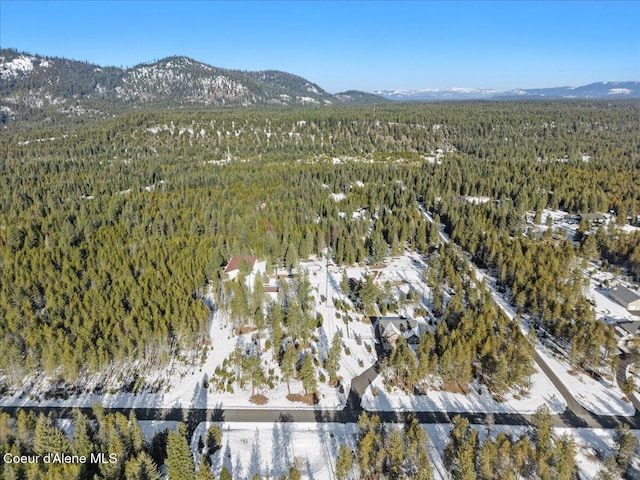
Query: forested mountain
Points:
[37, 87]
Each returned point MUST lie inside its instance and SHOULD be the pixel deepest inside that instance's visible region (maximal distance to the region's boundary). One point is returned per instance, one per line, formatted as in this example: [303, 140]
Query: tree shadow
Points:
[255, 460]
[282, 456]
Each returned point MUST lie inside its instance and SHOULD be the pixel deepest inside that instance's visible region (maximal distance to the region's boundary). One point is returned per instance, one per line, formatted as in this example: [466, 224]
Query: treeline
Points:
[113, 445]
[536, 455]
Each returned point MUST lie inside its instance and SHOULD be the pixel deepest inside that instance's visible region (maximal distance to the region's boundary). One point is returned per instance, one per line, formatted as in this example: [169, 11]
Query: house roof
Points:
[399, 323]
[630, 327]
[234, 263]
[593, 217]
[625, 294]
[390, 330]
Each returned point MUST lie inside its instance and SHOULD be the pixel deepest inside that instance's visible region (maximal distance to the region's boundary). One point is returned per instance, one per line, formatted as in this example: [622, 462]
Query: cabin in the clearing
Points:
[626, 297]
[595, 218]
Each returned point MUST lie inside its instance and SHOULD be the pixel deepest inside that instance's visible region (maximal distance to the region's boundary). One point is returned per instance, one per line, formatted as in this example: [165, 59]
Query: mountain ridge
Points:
[41, 89]
[596, 90]
[37, 86]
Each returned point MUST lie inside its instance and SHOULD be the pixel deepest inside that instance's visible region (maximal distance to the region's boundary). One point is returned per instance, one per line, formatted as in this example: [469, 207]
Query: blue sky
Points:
[365, 45]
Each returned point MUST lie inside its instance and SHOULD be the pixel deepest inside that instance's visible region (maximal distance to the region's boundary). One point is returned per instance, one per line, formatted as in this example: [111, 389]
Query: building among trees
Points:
[626, 297]
[389, 330]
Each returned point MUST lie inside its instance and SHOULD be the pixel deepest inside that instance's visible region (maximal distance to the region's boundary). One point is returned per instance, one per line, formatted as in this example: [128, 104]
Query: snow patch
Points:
[21, 65]
[619, 91]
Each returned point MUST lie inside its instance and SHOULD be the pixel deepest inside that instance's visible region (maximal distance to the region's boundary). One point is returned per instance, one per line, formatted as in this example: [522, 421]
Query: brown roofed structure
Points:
[234, 263]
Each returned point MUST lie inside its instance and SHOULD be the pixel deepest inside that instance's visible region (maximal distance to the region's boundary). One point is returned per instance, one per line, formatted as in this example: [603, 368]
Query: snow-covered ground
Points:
[184, 386]
[601, 397]
[592, 444]
[598, 291]
[479, 399]
[270, 448]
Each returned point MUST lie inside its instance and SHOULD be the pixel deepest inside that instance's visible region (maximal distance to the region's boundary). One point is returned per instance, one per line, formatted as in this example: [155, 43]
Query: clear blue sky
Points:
[366, 45]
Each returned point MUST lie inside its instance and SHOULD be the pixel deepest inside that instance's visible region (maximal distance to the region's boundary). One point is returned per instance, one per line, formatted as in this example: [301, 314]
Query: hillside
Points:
[48, 90]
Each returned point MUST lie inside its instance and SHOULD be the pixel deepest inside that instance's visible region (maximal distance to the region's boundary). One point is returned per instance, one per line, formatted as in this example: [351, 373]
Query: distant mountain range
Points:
[47, 89]
[600, 90]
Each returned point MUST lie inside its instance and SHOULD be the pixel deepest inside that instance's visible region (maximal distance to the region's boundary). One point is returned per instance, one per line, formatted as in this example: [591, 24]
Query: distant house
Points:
[626, 297]
[389, 329]
[594, 218]
[235, 262]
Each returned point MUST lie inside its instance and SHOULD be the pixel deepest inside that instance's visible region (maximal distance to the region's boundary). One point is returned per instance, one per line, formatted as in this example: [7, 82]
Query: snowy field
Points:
[591, 445]
[270, 448]
[601, 397]
[185, 386]
[479, 399]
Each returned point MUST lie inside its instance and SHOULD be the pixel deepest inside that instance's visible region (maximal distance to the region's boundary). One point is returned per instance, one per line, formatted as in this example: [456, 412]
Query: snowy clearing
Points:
[598, 396]
[479, 399]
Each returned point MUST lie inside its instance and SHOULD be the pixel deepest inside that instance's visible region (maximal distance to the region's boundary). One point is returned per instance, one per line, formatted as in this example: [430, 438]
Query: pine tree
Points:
[294, 473]
[204, 469]
[136, 436]
[214, 439]
[542, 439]
[48, 438]
[288, 366]
[224, 474]
[627, 445]
[308, 376]
[82, 435]
[344, 462]
[141, 467]
[179, 458]
[333, 358]
[563, 458]
[460, 452]
[395, 453]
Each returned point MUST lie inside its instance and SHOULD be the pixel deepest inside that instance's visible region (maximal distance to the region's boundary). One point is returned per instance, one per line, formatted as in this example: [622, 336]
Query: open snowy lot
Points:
[479, 399]
[190, 386]
[271, 448]
[601, 397]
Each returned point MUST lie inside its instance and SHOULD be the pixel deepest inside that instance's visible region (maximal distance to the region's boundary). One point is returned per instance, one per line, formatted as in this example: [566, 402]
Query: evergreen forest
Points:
[110, 232]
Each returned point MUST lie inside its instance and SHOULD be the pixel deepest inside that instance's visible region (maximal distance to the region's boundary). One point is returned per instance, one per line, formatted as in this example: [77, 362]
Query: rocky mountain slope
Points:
[35, 86]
